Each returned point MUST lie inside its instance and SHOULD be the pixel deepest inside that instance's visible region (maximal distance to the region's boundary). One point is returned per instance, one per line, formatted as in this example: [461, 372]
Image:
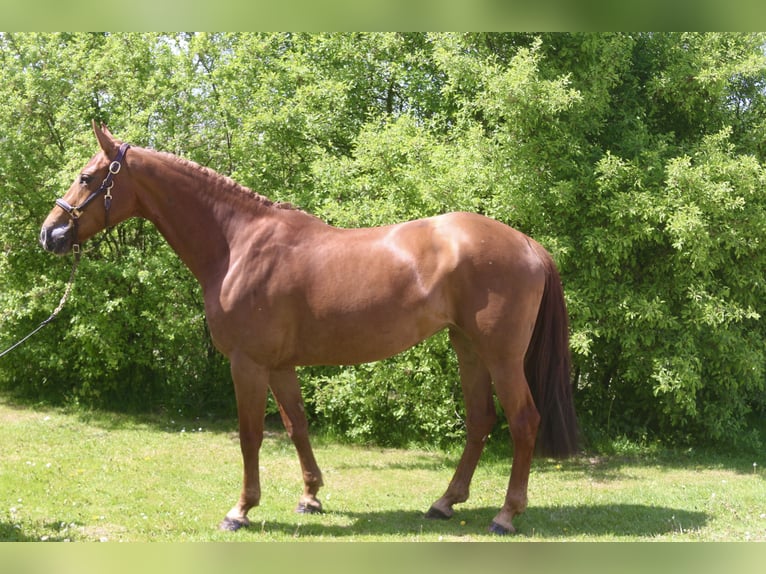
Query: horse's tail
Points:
[547, 368]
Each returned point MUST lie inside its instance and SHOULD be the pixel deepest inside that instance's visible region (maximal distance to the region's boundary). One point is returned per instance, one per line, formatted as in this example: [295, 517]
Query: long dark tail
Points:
[547, 368]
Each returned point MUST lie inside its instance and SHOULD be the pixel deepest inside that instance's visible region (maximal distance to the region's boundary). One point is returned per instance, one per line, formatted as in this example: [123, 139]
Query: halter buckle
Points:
[114, 167]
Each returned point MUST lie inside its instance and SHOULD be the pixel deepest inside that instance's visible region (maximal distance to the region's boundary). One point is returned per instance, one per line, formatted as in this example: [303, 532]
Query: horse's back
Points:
[423, 256]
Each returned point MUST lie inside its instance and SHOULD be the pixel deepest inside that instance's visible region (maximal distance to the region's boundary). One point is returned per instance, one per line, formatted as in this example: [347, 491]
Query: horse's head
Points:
[101, 195]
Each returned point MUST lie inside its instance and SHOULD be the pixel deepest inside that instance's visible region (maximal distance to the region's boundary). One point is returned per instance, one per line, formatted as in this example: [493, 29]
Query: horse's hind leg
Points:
[523, 419]
[284, 385]
[480, 419]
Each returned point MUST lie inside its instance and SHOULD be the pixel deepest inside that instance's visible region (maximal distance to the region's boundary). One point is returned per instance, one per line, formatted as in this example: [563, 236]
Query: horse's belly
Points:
[352, 340]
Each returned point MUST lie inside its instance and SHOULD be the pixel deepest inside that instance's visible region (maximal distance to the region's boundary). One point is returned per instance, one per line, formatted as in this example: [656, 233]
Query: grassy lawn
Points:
[91, 477]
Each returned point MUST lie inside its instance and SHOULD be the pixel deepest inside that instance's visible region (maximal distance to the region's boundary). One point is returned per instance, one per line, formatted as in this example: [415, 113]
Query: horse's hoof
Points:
[232, 525]
[308, 508]
[500, 530]
[437, 514]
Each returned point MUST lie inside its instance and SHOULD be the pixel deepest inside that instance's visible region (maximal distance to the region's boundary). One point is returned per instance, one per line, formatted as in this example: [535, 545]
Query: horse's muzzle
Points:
[56, 239]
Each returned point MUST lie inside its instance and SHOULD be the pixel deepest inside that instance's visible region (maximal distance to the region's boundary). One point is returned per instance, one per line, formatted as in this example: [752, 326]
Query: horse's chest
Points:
[245, 315]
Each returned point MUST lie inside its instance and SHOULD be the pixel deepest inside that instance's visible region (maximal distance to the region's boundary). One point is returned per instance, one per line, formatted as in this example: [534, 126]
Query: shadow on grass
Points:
[629, 521]
[57, 531]
[162, 420]
[619, 520]
[12, 533]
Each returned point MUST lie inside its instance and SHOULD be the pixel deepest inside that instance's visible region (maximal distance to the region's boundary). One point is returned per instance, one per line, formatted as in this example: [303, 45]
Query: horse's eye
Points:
[85, 179]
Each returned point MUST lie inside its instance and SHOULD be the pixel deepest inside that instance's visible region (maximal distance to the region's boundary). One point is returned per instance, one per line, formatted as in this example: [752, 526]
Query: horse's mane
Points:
[226, 184]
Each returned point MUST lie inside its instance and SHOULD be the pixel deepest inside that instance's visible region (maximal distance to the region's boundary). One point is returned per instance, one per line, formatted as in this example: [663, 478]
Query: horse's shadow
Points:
[10, 532]
[565, 522]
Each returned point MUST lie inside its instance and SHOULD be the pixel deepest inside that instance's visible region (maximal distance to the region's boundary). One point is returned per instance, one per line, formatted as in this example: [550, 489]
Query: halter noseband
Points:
[105, 188]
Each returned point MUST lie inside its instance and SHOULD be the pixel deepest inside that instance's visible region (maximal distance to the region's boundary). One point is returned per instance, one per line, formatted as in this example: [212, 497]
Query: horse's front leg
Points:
[284, 385]
[251, 388]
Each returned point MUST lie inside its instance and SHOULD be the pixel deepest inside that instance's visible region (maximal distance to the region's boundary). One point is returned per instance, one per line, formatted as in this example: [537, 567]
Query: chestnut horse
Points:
[284, 289]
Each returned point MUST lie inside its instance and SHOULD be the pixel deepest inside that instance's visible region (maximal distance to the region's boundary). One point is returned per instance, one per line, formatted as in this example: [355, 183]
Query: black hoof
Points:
[304, 508]
[495, 528]
[232, 525]
[437, 514]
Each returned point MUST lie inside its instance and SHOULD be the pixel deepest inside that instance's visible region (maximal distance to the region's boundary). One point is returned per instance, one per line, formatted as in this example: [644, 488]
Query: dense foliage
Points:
[637, 159]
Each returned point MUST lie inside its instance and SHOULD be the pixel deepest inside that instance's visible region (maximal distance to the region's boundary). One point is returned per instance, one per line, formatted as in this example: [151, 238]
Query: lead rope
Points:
[56, 311]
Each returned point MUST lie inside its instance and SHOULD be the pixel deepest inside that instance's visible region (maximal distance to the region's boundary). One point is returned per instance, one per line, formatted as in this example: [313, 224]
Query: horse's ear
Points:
[105, 139]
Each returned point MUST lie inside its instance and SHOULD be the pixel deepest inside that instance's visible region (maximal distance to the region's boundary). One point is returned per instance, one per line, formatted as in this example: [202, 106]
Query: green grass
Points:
[95, 476]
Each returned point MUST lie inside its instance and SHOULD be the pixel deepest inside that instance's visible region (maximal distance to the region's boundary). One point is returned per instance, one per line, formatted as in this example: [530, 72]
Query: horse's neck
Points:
[196, 215]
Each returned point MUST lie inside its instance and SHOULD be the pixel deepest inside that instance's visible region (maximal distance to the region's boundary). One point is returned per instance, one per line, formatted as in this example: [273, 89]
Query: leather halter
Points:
[105, 188]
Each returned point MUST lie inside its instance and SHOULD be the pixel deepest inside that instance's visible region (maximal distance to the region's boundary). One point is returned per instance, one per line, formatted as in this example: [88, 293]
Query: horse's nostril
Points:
[55, 239]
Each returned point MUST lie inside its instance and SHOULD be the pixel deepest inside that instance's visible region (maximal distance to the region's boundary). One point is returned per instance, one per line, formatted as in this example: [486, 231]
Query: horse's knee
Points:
[479, 431]
[479, 426]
